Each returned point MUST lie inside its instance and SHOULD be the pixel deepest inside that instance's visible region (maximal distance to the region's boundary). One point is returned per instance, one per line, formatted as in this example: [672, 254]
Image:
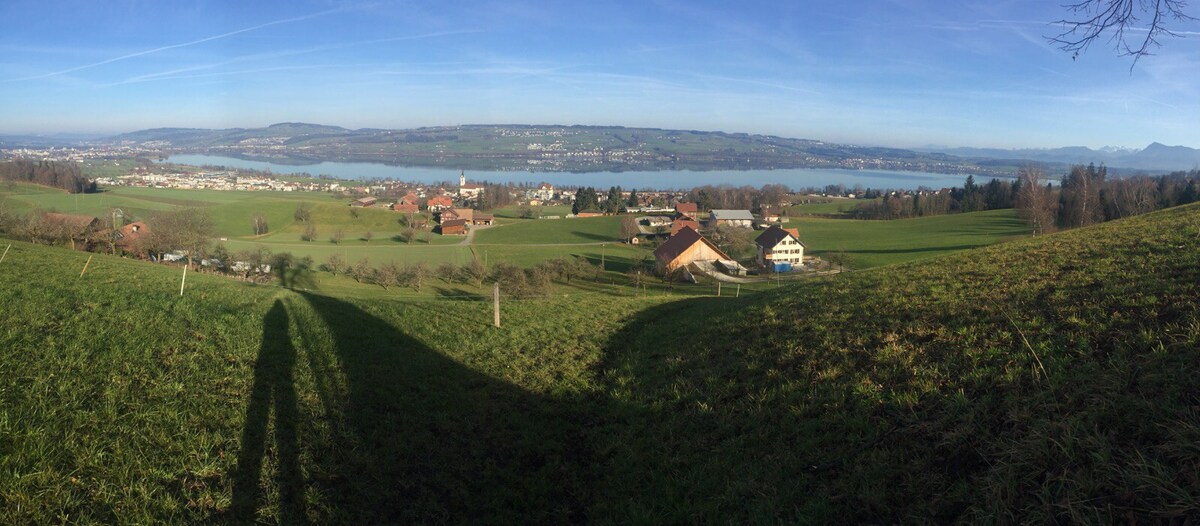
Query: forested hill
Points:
[536, 147]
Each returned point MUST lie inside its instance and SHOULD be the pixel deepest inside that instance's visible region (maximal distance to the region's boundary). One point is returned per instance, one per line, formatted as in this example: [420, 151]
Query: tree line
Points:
[66, 176]
[1087, 196]
[970, 197]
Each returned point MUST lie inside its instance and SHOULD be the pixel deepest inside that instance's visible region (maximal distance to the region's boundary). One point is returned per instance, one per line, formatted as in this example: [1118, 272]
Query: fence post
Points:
[496, 304]
[718, 289]
[5, 252]
[184, 280]
[738, 294]
[85, 265]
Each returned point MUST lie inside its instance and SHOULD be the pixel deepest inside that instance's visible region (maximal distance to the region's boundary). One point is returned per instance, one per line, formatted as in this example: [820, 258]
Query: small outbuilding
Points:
[454, 227]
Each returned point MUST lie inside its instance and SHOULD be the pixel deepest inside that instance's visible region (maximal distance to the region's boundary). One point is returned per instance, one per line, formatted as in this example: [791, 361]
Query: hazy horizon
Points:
[906, 74]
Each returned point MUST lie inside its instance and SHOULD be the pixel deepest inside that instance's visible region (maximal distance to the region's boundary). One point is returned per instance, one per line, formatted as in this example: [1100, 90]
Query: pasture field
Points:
[823, 206]
[524, 242]
[874, 243]
[1048, 379]
[605, 229]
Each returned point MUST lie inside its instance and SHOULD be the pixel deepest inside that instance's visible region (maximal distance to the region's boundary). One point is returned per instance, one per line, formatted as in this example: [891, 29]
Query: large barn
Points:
[685, 247]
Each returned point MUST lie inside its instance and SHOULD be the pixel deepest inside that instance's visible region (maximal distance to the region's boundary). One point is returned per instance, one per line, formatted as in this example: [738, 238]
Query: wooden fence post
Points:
[496, 304]
[85, 265]
[738, 294]
[184, 280]
[718, 289]
[5, 252]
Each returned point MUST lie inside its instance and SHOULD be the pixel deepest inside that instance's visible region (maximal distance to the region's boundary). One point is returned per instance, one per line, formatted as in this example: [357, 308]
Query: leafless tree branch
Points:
[1119, 19]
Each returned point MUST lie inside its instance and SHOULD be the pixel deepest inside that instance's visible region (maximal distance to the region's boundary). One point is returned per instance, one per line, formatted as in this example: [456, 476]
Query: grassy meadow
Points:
[869, 243]
[1048, 379]
[523, 242]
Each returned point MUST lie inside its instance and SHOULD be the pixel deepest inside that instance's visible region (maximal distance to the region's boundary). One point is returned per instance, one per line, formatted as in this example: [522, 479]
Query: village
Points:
[679, 233]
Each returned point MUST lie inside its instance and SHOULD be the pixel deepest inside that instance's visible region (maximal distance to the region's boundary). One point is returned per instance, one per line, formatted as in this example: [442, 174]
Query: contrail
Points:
[174, 46]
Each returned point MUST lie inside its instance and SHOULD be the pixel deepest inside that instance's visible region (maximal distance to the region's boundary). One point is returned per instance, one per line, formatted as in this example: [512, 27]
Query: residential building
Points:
[780, 249]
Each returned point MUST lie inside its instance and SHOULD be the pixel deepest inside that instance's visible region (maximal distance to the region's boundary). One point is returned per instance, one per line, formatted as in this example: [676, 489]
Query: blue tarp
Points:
[783, 266]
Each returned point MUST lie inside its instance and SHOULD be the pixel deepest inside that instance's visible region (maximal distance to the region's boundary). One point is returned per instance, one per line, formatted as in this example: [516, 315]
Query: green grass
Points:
[605, 229]
[513, 212]
[823, 206]
[378, 251]
[1041, 380]
[875, 243]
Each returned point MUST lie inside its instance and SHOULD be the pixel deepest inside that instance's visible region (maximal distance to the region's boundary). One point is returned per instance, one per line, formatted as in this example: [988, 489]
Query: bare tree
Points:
[260, 225]
[185, 229]
[387, 275]
[1036, 201]
[336, 265]
[1122, 21]
[629, 228]
[361, 270]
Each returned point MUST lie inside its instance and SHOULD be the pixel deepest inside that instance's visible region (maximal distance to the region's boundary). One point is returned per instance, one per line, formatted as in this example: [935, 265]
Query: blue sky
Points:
[898, 73]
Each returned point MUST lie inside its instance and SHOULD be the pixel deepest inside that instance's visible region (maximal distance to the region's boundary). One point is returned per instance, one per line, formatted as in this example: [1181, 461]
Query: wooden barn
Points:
[684, 248]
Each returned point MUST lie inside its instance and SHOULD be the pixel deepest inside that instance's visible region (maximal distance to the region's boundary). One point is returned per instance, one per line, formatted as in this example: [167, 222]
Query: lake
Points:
[662, 180]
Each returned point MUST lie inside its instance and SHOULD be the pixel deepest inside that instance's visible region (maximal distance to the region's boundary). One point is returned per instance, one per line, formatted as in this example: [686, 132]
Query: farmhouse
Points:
[780, 249]
[687, 209]
[685, 248]
[680, 222]
[450, 214]
[406, 208]
[454, 227]
[129, 237]
[771, 215]
[364, 202]
[439, 203]
[741, 218]
[71, 227]
[409, 199]
[478, 218]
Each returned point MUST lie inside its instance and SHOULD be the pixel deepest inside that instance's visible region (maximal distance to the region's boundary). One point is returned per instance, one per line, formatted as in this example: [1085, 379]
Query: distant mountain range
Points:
[1156, 156]
[604, 148]
[540, 148]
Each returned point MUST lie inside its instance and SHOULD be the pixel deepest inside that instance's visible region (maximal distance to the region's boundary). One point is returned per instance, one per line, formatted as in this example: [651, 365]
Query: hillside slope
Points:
[1049, 379]
[1042, 379]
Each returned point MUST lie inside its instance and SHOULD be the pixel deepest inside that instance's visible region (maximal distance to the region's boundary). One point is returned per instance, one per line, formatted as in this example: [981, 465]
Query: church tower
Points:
[462, 178]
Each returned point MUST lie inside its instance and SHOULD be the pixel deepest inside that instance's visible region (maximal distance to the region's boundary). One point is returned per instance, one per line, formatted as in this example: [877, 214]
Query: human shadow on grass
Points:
[274, 391]
[413, 435]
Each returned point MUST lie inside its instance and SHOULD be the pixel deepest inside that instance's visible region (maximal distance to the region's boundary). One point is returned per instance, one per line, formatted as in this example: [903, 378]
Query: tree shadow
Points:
[594, 237]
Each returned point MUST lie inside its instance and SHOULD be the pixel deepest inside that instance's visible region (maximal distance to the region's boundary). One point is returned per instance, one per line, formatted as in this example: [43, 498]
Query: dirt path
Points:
[471, 234]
